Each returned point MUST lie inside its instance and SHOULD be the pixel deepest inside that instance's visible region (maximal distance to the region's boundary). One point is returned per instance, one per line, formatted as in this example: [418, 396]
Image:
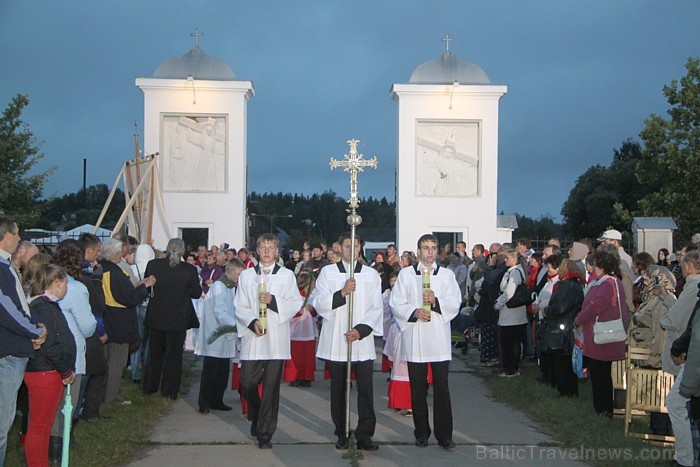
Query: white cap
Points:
[610, 235]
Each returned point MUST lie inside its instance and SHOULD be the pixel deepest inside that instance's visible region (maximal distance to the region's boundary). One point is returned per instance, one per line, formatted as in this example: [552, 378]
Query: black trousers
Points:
[442, 405]
[213, 382]
[95, 390]
[367, 420]
[601, 385]
[561, 374]
[511, 339]
[262, 412]
[164, 362]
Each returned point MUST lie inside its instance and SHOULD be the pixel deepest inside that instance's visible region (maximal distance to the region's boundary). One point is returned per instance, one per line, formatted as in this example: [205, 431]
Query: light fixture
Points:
[455, 85]
[190, 79]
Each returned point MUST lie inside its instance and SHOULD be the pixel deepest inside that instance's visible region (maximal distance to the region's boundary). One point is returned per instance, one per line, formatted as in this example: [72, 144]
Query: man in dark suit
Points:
[169, 315]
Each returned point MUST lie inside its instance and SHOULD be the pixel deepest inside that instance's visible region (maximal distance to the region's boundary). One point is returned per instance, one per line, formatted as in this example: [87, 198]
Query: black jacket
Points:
[561, 312]
[121, 300]
[58, 350]
[490, 289]
[170, 308]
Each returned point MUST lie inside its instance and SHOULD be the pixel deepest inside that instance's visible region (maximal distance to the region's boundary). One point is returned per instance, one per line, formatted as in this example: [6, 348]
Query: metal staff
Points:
[67, 419]
[352, 163]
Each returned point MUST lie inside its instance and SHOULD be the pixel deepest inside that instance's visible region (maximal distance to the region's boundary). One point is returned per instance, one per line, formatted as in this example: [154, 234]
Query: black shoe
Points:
[447, 444]
[223, 408]
[203, 410]
[342, 443]
[294, 384]
[137, 381]
[264, 444]
[367, 445]
[304, 383]
[421, 442]
[94, 418]
[254, 429]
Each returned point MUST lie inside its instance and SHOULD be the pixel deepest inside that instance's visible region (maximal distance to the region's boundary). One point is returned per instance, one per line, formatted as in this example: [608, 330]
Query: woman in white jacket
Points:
[511, 321]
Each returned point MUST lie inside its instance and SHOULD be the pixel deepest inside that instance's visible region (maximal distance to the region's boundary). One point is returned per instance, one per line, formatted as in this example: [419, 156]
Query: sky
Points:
[582, 76]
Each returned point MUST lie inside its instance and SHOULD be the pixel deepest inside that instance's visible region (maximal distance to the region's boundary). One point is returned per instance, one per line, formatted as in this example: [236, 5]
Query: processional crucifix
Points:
[352, 163]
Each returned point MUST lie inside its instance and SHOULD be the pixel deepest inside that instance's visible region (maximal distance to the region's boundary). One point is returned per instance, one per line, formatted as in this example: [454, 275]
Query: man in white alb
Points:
[264, 349]
[330, 301]
[426, 339]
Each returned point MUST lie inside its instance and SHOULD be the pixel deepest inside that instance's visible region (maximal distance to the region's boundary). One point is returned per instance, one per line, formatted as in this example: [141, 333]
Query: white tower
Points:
[195, 116]
[447, 164]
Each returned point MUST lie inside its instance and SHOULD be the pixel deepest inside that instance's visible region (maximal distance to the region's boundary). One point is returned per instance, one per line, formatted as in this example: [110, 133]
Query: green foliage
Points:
[542, 227]
[325, 215]
[606, 197]
[86, 208]
[19, 154]
[671, 156]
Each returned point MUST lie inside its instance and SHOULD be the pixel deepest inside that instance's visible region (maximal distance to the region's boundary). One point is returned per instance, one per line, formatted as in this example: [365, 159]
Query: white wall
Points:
[222, 213]
[474, 217]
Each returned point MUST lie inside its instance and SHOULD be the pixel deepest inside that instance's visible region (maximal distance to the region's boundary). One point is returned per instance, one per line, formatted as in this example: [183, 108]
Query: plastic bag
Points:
[577, 356]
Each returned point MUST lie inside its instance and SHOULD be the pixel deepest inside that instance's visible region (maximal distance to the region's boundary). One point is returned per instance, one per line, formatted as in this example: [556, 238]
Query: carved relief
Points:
[194, 153]
[447, 159]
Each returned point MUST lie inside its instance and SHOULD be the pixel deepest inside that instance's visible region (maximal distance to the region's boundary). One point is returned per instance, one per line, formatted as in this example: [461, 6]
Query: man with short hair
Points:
[264, 349]
[392, 257]
[330, 301]
[426, 338]
[614, 237]
[317, 260]
[19, 337]
[25, 251]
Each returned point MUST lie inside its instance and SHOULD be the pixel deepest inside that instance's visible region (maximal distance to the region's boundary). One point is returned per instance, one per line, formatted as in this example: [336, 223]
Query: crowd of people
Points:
[72, 322]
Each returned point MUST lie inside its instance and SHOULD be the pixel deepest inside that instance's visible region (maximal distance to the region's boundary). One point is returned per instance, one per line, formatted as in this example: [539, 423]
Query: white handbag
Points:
[608, 332]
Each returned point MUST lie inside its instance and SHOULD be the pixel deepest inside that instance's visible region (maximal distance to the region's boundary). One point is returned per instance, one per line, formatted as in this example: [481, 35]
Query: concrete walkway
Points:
[486, 432]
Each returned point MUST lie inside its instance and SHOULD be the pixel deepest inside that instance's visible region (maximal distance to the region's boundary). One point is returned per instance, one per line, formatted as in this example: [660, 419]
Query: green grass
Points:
[572, 422]
[112, 441]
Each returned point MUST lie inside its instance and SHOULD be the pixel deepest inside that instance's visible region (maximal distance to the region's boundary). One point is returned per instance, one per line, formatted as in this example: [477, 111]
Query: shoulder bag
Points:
[522, 295]
[610, 331]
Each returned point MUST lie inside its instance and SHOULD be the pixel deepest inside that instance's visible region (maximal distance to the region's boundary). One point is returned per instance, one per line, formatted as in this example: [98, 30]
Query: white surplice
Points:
[367, 309]
[274, 345]
[425, 341]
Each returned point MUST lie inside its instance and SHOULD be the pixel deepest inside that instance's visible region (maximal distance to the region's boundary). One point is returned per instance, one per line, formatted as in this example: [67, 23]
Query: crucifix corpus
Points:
[352, 163]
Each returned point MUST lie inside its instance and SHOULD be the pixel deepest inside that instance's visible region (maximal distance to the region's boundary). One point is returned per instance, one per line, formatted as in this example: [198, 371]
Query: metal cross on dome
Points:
[447, 39]
[353, 163]
[196, 35]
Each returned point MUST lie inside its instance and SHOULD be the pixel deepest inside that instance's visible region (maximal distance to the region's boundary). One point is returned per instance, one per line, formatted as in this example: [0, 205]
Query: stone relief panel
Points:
[447, 158]
[193, 153]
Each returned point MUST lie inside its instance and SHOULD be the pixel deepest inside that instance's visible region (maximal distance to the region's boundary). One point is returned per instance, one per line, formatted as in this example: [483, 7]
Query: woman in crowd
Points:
[662, 258]
[169, 315]
[645, 329]
[560, 313]
[511, 321]
[408, 258]
[485, 313]
[81, 322]
[604, 301]
[210, 272]
[121, 299]
[53, 364]
[552, 264]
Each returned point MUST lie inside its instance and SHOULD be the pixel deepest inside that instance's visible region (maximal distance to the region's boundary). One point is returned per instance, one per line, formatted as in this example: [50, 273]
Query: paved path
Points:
[486, 432]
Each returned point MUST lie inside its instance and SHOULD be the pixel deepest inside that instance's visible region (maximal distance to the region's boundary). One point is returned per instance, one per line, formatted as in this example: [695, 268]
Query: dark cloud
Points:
[582, 77]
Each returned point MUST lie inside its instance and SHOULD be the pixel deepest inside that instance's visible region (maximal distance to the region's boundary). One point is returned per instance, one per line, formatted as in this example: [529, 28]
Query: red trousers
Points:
[45, 389]
[303, 363]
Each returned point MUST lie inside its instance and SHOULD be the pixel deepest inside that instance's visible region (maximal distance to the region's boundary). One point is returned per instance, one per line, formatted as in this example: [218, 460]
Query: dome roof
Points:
[446, 69]
[195, 63]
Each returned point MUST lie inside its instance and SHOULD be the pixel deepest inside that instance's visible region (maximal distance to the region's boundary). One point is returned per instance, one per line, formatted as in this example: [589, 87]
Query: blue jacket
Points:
[16, 328]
